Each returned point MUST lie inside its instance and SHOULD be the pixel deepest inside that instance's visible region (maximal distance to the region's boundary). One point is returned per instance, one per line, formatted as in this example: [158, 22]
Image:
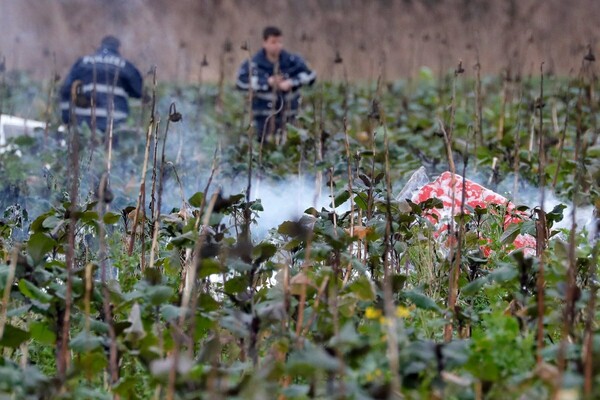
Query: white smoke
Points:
[531, 196]
[283, 200]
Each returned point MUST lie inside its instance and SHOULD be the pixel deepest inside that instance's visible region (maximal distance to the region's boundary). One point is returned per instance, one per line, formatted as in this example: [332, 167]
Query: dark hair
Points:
[110, 42]
[271, 31]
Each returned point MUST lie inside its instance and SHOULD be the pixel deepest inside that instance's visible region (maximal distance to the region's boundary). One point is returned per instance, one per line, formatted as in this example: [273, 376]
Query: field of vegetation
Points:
[145, 271]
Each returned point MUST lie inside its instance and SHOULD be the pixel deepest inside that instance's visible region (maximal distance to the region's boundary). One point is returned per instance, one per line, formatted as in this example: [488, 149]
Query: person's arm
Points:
[133, 82]
[259, 82]
[301, 75]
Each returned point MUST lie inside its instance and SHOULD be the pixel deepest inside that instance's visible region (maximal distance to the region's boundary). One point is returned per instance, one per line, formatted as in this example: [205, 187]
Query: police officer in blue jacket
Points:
[274, 76]
[98, 86]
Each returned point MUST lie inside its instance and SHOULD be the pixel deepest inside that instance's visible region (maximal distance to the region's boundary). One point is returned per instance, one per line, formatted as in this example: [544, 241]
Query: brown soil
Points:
[389, 37]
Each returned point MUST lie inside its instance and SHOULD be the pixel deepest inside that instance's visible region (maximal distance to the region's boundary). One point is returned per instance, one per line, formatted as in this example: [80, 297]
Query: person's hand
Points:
[285, 85]
[274, 80]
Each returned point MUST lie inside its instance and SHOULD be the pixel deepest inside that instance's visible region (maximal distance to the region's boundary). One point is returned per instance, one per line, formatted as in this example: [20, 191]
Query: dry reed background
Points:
[393, 36]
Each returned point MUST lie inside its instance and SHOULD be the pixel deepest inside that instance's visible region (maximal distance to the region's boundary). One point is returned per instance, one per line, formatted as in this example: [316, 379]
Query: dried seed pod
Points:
[175, 117]
[375, 114]
[108, 196]
[204, 62]
[539, 103]
[590, 56]
[338, 58]
[459, 70]
[227, 46]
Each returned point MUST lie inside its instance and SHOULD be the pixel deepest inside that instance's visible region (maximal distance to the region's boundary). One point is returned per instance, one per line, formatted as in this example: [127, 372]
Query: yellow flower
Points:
[402, 312]
[372, 313]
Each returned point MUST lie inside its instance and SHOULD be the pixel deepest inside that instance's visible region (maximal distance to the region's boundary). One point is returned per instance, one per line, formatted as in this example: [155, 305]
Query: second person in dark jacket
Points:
[98, 86]
[274, 76]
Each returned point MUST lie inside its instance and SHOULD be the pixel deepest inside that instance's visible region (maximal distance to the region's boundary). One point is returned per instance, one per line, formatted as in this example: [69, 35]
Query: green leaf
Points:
[85, 342]
[341, 198]
[510, 234]
[236, 285]
[170, 312]
[33, 292]
[348, 335]
[196, 199]
[97, 326]
[38, 246]
[308, 361]
[295, 391]
[528, 228]
[52, 222]
[89, 216]
[360, 199]
[187, 239]
[556, 215]
[82, 392]
[239, 266]
[503, 274]
[126, 387]
[263, 251]
[91, 363]
[13, 336]
[422, 301]
[209, 266]
[432, 203]
[38, 224]
[207, 303]
[291, 228]
[257, 206]
[362, 288]
[474, 287]
[19, 311]
[398, 282]
[159, 294]
[111, 218]
[42, 333]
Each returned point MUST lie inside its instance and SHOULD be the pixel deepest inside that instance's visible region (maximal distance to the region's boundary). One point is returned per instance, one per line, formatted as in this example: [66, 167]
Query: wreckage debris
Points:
[449, 189]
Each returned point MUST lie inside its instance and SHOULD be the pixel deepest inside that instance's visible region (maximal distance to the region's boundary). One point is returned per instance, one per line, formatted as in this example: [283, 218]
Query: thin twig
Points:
[9, 282]
[140, 207]
[541, 228]
[388, 294]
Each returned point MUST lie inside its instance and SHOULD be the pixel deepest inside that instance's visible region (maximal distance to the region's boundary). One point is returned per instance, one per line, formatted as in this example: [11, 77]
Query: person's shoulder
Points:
[80, 61]
[292, 57]
[129, 64]
[259, 56]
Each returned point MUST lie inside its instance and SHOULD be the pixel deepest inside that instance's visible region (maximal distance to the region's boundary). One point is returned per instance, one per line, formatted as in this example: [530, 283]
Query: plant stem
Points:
[107, 309]
[541, 228]
[388, 295]
[140, 206]
[185, 300]
[7, 288]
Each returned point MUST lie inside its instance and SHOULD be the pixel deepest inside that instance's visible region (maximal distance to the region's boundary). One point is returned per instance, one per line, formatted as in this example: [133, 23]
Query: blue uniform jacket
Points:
[111, 78]
[264, 100]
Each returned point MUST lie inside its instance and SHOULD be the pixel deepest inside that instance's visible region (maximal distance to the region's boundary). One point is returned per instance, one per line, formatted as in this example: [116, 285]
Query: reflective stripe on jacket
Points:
[265, 100]
[107, 79]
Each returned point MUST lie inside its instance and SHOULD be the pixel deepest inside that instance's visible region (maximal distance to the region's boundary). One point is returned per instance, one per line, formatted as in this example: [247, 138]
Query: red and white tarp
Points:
[449, 189]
